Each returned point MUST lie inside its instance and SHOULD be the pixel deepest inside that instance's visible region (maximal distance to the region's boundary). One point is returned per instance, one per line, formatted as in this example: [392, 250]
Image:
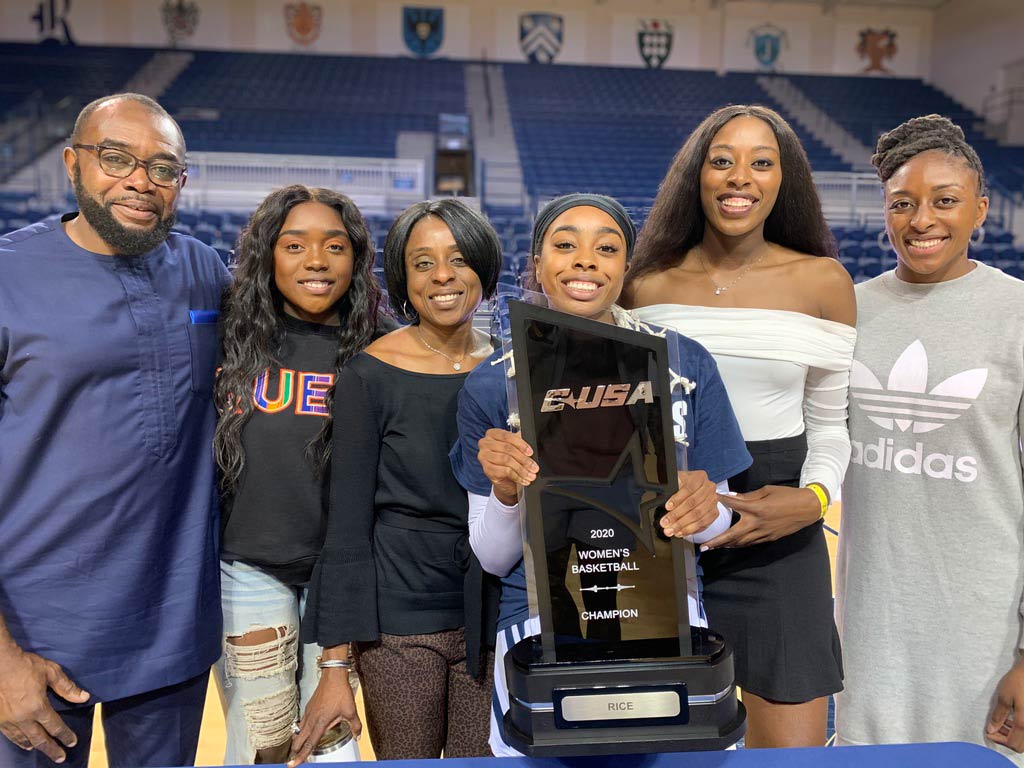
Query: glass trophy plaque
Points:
[617, 667]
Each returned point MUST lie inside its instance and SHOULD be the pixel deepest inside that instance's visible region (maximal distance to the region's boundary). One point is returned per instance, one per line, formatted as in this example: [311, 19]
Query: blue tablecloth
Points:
[946, 755]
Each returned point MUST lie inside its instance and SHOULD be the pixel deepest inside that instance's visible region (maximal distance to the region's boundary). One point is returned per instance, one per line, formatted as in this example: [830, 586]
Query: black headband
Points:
[560, 205]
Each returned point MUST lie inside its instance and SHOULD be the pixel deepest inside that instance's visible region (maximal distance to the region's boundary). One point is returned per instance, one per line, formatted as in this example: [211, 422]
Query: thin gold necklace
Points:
[456, 364]
[720, 289]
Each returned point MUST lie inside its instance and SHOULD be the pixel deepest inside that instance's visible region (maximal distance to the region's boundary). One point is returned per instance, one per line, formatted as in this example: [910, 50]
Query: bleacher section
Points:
[616, 130]
[52, 72]
[576, 128]
[313, 105]
[869, 106]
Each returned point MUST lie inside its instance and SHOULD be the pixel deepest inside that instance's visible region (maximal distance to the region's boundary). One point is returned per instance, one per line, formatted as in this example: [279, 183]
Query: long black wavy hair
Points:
[676, 222]
[252, 322]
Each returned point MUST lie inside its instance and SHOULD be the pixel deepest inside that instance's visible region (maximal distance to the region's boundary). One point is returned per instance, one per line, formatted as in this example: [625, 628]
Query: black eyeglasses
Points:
[120, 164]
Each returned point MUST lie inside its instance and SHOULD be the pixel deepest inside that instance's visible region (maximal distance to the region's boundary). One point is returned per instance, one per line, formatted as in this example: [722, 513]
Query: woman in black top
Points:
[303, 302]
[396, 576]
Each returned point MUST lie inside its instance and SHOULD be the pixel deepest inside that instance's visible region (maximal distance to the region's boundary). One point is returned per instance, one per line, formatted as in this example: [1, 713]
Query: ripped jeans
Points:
[264, 688]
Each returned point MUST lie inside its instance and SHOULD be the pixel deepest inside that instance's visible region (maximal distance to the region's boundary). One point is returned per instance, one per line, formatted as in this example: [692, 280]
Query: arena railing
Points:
[850, 198]
[232, 181]
[1003, 106]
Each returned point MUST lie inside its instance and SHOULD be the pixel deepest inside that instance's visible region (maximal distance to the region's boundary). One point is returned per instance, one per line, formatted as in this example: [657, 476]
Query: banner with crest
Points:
[207, 24]
[303, 26]
[879, 49]
[303, 21]
[540, 36]
[422, 30]
[181, 19]
[655, 42]
[757, 36]
[768, 43]
[530, 33]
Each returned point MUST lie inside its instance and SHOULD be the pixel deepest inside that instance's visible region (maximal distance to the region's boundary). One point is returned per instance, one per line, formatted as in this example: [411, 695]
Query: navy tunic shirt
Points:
[108, 530]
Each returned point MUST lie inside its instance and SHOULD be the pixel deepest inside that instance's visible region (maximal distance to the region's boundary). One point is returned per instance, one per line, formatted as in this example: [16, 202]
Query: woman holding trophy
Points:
[581, 247]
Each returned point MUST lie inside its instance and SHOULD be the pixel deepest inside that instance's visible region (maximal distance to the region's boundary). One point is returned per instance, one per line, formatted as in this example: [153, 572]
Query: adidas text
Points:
[913, 461]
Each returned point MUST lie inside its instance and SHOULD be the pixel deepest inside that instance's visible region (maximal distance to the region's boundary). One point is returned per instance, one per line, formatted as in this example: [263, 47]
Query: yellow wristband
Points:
[821, 493]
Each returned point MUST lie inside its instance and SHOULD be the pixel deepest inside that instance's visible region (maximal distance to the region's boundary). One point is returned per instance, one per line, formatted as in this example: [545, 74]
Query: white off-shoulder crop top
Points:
[785, 372]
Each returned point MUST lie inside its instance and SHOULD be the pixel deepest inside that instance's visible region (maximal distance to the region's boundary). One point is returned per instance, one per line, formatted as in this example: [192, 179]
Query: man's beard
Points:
[126, 241]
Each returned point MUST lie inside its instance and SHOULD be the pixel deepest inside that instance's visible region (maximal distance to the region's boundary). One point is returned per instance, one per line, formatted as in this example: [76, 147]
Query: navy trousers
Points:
[158, 728]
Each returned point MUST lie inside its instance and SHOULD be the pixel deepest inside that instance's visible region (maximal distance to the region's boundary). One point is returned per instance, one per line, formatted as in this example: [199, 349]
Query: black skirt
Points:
[773, 601]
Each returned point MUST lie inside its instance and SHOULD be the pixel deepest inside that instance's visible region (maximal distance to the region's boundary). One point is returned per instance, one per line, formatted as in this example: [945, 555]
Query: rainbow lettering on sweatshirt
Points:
[308, 397]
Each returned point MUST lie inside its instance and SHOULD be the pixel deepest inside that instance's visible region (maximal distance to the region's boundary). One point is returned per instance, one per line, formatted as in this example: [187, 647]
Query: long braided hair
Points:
[923, 134]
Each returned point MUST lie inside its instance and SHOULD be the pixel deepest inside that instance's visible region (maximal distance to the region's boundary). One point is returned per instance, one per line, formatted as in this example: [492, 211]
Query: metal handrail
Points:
[235, 180]
[998, 106]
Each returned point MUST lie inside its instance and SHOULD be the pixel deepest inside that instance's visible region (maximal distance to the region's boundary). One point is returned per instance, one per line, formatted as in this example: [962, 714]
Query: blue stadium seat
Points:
[346, 105]
[869, 106]
[51, 73]
[598, 129]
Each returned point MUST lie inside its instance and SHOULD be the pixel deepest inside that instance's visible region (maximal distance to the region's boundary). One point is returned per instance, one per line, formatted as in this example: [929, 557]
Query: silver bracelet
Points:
[333, 664]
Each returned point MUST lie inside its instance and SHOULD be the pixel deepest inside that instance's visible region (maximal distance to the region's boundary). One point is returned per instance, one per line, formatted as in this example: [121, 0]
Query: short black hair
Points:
[923, 134]
[138, 98]
[478, 243]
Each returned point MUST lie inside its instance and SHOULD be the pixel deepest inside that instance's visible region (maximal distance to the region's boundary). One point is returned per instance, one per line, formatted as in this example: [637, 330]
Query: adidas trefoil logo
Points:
[904, 402]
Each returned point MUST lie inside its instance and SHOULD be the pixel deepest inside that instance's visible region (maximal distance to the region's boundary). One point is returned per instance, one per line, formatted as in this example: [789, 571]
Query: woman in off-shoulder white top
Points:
[729, 256]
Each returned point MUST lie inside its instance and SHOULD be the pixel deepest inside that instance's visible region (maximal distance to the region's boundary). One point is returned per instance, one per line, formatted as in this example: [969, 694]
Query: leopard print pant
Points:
[420, 699]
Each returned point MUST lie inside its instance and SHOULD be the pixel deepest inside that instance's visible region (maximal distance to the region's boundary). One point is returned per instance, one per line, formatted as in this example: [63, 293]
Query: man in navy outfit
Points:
[108, 564]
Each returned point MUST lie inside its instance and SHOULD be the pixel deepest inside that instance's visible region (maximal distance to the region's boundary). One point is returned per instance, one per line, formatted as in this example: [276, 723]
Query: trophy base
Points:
[623, 706]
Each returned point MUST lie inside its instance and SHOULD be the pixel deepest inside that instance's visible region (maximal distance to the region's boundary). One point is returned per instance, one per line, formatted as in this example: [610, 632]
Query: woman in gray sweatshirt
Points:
[931, 553]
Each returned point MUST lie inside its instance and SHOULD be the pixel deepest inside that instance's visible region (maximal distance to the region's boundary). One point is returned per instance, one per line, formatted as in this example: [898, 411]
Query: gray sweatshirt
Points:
[930, 571]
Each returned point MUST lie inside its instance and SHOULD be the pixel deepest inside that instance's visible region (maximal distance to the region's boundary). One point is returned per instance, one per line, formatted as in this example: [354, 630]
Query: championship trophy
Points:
[617, 668]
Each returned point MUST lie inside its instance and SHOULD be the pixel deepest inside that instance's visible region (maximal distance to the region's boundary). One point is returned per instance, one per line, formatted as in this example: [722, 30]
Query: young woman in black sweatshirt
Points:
[303, 303]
